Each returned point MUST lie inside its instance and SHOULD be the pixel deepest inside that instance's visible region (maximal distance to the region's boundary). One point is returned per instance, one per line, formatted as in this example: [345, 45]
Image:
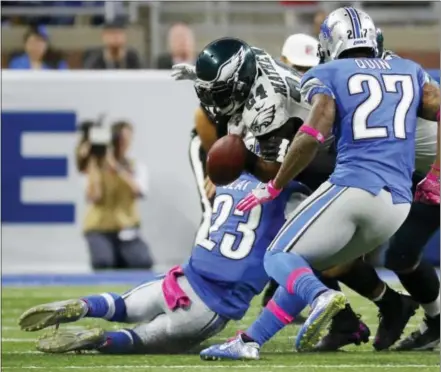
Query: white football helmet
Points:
[345, 29]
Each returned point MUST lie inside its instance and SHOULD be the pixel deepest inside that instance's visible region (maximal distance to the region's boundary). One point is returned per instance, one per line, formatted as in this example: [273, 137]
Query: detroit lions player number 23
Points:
[191, 302]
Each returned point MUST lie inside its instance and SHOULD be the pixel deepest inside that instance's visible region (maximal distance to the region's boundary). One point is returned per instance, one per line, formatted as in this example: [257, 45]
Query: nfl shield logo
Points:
[309, 50]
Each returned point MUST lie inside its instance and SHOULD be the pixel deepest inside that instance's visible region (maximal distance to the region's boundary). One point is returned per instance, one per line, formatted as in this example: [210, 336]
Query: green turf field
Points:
[18, 353]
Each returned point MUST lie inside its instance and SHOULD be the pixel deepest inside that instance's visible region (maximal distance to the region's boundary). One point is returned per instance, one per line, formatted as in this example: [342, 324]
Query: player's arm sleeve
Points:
[205, 128]
[315, 82]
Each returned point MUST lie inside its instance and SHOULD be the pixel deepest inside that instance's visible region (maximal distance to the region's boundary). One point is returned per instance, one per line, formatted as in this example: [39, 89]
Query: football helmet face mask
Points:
[380, 43]
[346, 29]
[226, 70]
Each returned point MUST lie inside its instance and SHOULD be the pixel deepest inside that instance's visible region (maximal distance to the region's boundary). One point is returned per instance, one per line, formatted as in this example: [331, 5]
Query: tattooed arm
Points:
[429, 110]
[304, 147]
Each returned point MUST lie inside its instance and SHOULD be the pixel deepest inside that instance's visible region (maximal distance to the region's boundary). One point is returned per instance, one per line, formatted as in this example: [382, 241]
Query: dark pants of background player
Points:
[107, 251]
[407, 245]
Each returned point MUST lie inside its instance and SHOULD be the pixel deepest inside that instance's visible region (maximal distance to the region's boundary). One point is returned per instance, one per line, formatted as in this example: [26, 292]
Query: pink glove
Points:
[427, 191]
[258, 196]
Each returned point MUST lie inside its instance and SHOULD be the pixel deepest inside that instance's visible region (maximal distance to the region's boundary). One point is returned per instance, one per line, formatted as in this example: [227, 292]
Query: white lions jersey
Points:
[274, 98]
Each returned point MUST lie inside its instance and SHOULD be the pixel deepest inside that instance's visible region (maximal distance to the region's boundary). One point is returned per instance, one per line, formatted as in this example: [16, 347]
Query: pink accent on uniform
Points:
[252, 199]
[279, 313]
[427, 191]
[294, 276]
[274, 192]
[432, 177]
[437, 115]
[238, 333]
[174, 296]
[435, 167]
[310, 131]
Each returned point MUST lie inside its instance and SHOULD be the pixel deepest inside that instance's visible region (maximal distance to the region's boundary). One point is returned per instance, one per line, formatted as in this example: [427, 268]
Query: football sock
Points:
[362, 278]
[279, 312]
[387, 298]
[120, 342]
[423, 285]
[294, 274]
[109, 306]
[331, 283]
[432, 309]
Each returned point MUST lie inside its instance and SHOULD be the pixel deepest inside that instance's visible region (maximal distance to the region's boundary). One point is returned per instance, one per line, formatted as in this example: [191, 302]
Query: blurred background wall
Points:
[42, 109]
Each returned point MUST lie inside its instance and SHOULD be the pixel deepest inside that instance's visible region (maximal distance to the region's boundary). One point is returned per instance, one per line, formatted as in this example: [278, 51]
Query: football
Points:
[226, 159]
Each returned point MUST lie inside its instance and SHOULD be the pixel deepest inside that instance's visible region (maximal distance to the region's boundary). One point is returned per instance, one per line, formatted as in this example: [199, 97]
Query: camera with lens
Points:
[100, 139]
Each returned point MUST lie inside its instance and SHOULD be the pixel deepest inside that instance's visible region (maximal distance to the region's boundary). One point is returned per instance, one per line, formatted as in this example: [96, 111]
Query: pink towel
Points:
[174, 296]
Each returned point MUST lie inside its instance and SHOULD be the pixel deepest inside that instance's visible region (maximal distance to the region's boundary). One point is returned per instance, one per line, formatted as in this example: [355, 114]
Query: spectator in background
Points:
[300, 51]
[181, 46]
[114, 183]
[319, 18]
[38, 54]
[115, 54]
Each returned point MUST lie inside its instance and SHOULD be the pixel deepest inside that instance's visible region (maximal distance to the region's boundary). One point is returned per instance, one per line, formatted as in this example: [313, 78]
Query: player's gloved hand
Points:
[259, 195]
[427, 191]
[184, 71]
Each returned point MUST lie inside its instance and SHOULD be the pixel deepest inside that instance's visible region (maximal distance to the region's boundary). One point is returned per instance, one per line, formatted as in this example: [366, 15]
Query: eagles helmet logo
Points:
[263, 119]
[230, 68]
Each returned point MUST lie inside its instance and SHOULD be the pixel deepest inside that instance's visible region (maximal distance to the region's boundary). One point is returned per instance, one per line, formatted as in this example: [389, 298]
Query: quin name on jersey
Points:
[274, 98]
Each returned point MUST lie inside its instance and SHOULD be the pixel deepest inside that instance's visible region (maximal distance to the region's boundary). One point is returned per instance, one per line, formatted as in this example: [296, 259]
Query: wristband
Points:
[435, 167]
[274, 192]
[310, 131]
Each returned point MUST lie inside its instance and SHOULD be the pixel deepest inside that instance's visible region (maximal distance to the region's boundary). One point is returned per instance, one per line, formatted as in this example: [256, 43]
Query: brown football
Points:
[226, 159]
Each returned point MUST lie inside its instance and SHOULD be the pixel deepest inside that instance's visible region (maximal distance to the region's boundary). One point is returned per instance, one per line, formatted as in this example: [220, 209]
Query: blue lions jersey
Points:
[377, 103]
[226, 270]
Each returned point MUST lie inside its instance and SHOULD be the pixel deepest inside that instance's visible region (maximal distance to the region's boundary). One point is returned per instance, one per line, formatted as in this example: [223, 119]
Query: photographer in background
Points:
[114, 183]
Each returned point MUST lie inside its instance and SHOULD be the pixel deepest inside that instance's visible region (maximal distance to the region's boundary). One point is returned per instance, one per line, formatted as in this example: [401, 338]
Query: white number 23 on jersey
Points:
[223, 206]
[376, 95]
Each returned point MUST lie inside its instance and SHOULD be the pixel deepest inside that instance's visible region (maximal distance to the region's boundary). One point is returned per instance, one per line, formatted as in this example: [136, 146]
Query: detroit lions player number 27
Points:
[371, 107]
[189, 304]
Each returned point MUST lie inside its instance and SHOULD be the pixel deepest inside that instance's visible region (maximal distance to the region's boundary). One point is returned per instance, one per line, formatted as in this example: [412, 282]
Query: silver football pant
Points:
[338, 224]
[162, 330]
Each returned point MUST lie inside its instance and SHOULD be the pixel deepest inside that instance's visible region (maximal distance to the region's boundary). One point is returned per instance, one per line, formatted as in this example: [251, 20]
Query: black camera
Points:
[84, 128]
